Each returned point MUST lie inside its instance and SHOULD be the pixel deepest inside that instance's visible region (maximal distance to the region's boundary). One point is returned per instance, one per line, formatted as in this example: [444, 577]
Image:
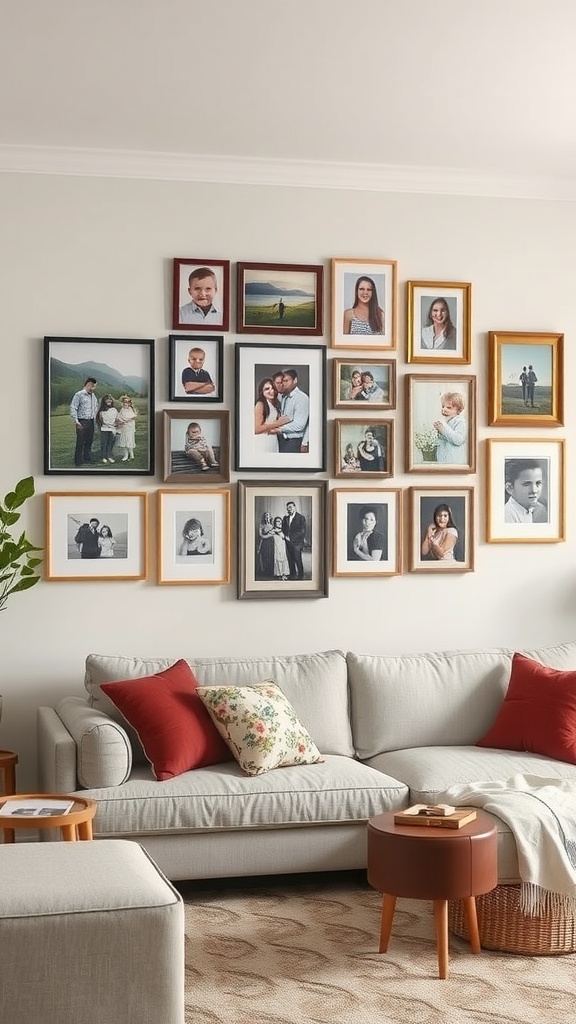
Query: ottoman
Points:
[90, 933]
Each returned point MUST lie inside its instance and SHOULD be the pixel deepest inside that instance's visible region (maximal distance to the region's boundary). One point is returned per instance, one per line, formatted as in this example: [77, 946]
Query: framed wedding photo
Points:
[526, 379]
[193, 537]
[195, 370]
[280, 407]
[196, 448]
[280, 298]
[441, 529]
[368, 382]
[98, 406]
[526, 491]
[201, 294]
[440, 424]
[97, 536]
[439, 322]
[364, 304]
[282, 539]
[367, 532]
[364, 447]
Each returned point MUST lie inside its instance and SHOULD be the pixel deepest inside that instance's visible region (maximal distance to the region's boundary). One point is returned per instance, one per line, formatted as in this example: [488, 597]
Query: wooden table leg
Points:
[441, 928]
[470, 916]
[85, 830]
[9, 835]
[388, 908]
[9, 784]
[68, 833]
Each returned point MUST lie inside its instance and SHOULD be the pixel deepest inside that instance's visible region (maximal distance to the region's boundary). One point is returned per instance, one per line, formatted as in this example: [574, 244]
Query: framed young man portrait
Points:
[280, 298]
[97, 536]
[364, 304]
[364, 447]
[367, 532]
[526, 490]
[526, 379]
[201, 294]
[370, 382]
[195, 370]
[194, 536]
[440, 424]
[196, 448]
[439, 322]
[441, 529]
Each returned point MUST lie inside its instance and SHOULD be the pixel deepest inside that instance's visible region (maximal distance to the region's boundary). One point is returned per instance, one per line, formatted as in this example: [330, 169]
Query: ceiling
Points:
[469, 95]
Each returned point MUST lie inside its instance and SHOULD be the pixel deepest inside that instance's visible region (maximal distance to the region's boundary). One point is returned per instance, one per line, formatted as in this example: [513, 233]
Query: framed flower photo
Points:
[441, 529]
[370, 382]
[364, 304]
[96, 535]
[366, 532]
[196, 448]
[364, 447]
[526, 379]
[200, 294]
[193, 537]
[440, 424]
[195, 370]
[439, 322]
[280, 298]
[526, 491]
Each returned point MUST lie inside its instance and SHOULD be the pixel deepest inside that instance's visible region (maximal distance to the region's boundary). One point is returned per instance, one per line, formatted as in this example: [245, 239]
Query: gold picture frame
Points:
[441, 529]
[451, 331]
[375, 325]
[526, 379]
[99, 535]
[525, 493]
[440, 423]
[193, 536]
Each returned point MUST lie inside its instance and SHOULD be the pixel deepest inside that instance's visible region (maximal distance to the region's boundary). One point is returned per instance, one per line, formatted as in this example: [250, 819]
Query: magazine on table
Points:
[37, 808]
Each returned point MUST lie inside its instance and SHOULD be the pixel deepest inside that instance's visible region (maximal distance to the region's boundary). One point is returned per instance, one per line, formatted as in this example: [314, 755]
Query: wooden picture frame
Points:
[193, 537]
[364, 303]
[364, 383]
[280, 298]
[207, 437]
[439, 322]
[195, 368]
[366, 532]
[200, 294]
[440, 423]
[96, 535]
[525, 495]
[526, 379]
[363, 447]
[441, 529]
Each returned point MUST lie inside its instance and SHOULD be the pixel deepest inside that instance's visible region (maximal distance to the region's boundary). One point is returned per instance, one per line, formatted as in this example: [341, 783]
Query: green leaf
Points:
[24, 585]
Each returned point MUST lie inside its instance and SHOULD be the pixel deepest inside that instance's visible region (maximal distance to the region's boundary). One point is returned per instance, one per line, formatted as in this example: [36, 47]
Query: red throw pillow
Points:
[538, 713]
[175, 729]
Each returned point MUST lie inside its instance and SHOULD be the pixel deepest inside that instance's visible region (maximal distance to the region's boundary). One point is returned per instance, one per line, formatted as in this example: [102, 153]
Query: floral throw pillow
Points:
[260, 726]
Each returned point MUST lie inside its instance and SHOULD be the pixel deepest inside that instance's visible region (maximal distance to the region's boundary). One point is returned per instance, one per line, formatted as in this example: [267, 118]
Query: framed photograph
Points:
[370, 382]
[282, 539]
[364, 304]
[364, 447]
[195, 370]
[280, 298]
[366, 532]
[194, 536]
[441, 529]
[526, 491]
[97, 536]
[98, 406]
[439, 322]
[196, 448]
[526, 382]
[441, 424]
[201, 294]
[280, 407]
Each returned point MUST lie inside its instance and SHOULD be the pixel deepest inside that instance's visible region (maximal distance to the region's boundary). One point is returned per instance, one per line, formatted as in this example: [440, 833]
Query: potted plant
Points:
[18, 563]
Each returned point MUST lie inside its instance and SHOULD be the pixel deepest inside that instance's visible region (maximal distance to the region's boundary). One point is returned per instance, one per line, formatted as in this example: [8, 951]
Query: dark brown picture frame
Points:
[280, 298]
[182, 268]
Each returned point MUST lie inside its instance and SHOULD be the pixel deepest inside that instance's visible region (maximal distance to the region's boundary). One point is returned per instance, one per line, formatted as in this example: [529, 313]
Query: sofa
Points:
[392, 731]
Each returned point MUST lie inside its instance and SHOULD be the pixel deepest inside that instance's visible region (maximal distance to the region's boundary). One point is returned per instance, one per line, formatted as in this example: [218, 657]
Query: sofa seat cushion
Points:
[223, 797]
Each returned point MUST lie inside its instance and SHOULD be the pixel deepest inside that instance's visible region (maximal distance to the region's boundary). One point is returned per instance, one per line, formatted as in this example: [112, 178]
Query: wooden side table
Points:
[75, 824]
[8, 762]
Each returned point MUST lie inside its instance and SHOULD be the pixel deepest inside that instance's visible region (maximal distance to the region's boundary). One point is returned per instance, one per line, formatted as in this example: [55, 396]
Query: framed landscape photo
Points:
[370, 382]
[194, 536]
[526, 491]
[196, 448]
[201, 294]
[440, 424]
[280, 407]
[98, 406]
[96, 536]
[364, 447]
[439, 322]
[280, 298]
[195, 370]
[366, 532]
[364, 304]
[526, 381]
[282, 539]
[441, 529]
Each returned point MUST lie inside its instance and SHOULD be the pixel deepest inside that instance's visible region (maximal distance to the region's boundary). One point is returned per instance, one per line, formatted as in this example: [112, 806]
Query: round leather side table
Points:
[432, 863]
[8, 762]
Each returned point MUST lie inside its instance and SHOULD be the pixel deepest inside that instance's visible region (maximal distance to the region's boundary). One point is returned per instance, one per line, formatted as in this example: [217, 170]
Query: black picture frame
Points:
[180, 347]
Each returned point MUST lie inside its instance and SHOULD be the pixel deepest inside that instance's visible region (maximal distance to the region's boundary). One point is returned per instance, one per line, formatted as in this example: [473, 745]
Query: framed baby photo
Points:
[441, 529]
[280, 298]
[98, 407]
[526, 379]
[282, 539]
[364, 304]
[193, 537]
[525, 491]
[201, 294]
[195, 368]
[364, 447]
[96, 536]
[280, 407]
[439, 322]
[440, 424]
[370, 382]
[366, 532]
[196, 448]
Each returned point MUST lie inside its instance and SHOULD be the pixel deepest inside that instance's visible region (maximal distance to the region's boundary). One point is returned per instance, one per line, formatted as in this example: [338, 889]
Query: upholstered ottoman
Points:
[90, 933]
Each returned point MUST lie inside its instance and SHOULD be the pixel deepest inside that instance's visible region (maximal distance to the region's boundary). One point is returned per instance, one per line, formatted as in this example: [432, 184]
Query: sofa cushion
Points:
[103, 750]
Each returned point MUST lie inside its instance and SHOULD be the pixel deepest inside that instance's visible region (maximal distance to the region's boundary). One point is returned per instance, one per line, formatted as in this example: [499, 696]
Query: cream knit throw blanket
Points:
[541, 814]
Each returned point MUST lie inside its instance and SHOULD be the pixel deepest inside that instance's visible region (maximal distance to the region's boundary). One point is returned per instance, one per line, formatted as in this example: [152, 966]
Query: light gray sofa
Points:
[393, 731]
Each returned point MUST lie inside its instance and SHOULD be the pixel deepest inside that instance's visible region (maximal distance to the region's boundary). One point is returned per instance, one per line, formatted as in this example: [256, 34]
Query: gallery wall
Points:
[92, 257]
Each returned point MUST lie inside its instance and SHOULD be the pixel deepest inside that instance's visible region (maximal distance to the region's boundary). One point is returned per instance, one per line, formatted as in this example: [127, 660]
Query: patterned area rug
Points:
[305, 952]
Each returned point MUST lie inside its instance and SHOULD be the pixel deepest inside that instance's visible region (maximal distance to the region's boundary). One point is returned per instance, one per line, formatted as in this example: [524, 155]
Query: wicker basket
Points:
[502, 925]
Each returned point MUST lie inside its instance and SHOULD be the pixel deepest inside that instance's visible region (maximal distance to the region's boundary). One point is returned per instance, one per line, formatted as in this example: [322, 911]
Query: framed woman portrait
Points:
[526, 379]
[97, 535]
[439, 322]
[526, 491]
[194, 536]
[364, 447]
[441, 529]
[282, 539]
[366, 532]
[370, 382]
[280, 407]
[196, 448]
[364, 304]
[280, 298]
[195, 370]
[201, 294]
[441, 424]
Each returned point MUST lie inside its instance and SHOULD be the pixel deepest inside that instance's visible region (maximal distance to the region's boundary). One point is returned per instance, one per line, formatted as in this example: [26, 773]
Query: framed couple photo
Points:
[97, 535]
[364, 304]
[526, 382]
[367, 532]
[441, 529]
[439, 322]
[526, 491]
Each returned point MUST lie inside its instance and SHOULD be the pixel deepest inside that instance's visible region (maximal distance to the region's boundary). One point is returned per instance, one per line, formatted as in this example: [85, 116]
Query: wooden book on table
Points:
[424, 816]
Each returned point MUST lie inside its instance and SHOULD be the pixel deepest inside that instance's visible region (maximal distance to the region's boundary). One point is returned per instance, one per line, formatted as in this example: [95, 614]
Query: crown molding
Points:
[227, 170]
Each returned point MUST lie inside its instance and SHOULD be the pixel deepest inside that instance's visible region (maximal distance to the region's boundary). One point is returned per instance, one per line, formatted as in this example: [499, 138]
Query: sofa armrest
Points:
[100, 755]
[56, 754]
